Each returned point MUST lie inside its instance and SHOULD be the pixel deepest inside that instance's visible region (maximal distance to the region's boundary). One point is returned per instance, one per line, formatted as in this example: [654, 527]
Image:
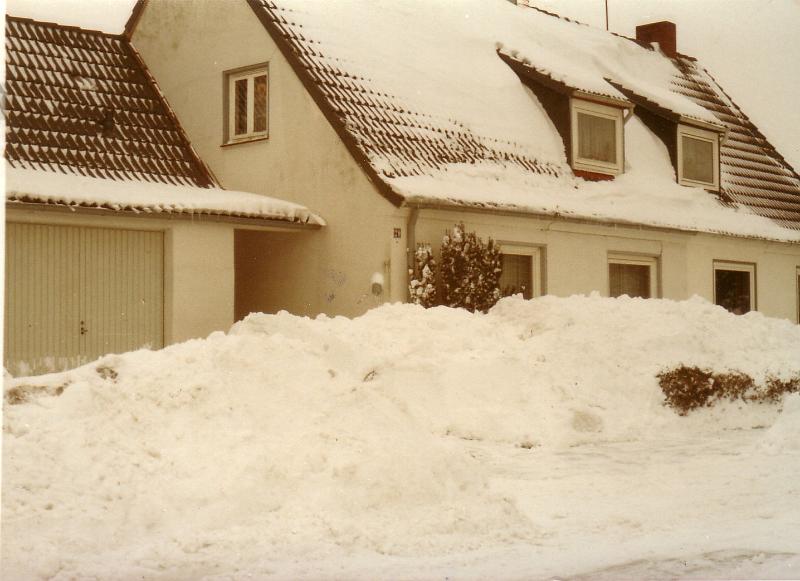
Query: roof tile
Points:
[79, 99]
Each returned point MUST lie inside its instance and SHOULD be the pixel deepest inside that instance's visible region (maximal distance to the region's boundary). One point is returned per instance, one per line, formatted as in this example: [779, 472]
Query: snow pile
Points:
[290, 440]
[784, 435]
[152, 198]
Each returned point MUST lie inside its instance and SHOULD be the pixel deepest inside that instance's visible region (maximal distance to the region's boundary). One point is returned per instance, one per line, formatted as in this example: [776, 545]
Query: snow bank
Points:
[784, 435]
[150, 198]
[305, 438]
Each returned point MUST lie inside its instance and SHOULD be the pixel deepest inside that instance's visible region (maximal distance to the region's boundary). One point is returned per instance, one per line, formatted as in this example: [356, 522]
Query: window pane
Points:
[597, 138]
[732, 290]
[260, 103]
[698, 160]
[516, 276]
[240, 112]
[629, 279]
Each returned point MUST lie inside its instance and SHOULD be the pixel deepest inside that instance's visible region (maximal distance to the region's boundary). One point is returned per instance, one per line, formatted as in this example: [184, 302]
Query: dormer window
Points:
[596, 137]
[698, 157]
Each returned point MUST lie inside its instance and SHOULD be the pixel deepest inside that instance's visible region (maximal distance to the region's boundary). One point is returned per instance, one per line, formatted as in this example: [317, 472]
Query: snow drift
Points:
[309, 438]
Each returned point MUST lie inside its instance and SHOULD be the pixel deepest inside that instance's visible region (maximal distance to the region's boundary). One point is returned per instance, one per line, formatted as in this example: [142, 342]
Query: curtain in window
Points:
[698, 159]
[517, 275]
[732, 290]
[260, 103]
[240, 112]
[629, 279]
[597, 138]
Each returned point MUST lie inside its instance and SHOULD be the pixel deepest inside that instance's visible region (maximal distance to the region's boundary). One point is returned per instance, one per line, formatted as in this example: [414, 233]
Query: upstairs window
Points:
[698, 157]
[596, 137]
[246, 104]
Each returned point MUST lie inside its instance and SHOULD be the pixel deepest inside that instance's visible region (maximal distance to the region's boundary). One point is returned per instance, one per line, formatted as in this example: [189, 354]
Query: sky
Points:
[751, 47]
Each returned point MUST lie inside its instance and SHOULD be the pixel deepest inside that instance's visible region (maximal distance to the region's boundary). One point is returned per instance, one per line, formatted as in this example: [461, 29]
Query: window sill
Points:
[704, 185]
[593, 176]
[245, 140]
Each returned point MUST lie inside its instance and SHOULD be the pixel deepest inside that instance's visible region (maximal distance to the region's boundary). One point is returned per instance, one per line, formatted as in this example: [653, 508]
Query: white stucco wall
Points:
[200, 288]
[198, 267]
[188, 47]
[576, 255]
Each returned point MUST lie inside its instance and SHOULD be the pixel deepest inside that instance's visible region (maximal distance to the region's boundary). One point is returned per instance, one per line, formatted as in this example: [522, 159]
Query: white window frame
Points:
[249, 73]
[606, 112]
[701, 135]
[738, 267]
[638, 260]
[536, 253]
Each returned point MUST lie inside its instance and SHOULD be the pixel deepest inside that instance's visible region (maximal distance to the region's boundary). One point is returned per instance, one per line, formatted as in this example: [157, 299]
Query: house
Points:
[117, 234]
[599, 162]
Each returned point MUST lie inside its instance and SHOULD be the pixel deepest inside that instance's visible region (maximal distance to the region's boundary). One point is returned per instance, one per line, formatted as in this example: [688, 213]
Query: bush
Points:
[422, 288]
[688, 388]
[470, 270]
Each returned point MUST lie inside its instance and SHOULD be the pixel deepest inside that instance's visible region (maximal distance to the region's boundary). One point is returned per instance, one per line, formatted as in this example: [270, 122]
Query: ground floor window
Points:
[735, 286]
[521, 271]
[632, 275]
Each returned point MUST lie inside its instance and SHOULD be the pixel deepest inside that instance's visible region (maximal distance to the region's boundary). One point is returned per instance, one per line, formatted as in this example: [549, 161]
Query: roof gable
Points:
[82, 102]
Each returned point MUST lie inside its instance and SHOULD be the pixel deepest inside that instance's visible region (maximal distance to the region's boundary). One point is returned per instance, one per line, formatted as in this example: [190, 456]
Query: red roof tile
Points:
[82, 102]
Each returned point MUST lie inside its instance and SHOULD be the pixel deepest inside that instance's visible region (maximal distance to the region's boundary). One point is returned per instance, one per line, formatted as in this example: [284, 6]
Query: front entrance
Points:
[73, 294]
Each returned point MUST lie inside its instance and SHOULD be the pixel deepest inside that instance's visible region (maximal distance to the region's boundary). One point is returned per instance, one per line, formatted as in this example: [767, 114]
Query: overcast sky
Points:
[752, 47]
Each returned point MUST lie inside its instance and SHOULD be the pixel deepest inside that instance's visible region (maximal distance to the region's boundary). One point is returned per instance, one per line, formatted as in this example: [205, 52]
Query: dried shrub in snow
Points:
[689, 388]
[422, 288]
[470, 270]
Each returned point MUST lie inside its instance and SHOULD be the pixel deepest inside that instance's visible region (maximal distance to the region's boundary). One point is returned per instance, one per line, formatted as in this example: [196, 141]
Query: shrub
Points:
[688, 388]
[470, 270]
[422, 288]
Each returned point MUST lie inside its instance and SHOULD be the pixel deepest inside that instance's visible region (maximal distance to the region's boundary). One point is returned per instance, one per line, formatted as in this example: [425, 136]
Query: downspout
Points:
[411, 234]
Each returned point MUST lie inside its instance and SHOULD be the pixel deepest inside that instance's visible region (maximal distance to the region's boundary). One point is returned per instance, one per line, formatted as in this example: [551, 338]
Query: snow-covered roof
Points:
[33, 186]
[86, 126]
[81, 101]
[421, 95]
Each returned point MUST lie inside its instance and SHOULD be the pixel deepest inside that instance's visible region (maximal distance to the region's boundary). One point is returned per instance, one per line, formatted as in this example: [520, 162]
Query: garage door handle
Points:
[84, 330]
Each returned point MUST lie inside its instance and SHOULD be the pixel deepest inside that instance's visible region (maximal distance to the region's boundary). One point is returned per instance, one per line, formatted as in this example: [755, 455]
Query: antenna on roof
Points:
[606, 15]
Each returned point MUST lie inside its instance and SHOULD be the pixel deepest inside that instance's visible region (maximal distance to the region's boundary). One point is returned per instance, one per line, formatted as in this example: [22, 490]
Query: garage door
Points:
[73, 294]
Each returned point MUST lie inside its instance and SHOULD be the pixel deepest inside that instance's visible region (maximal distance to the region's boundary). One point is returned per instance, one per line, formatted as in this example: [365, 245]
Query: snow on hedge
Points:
[404, 438]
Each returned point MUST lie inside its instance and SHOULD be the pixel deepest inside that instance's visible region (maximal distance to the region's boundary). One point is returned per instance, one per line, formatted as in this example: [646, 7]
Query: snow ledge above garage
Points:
[26, 185]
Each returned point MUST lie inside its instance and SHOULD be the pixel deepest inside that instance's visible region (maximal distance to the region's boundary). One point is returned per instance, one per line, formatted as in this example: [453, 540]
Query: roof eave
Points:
[133, 19]
[130, 212]
[507, 210]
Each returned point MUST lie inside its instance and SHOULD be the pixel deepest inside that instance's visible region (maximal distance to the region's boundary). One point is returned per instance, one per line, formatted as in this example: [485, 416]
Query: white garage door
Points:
[74, 294]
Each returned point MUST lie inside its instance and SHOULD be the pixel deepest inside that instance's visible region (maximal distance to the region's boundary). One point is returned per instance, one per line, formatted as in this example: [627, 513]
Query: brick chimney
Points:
[661, 32]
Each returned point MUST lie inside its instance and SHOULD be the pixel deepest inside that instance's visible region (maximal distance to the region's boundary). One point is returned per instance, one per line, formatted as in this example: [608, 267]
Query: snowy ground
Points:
[409, 444]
